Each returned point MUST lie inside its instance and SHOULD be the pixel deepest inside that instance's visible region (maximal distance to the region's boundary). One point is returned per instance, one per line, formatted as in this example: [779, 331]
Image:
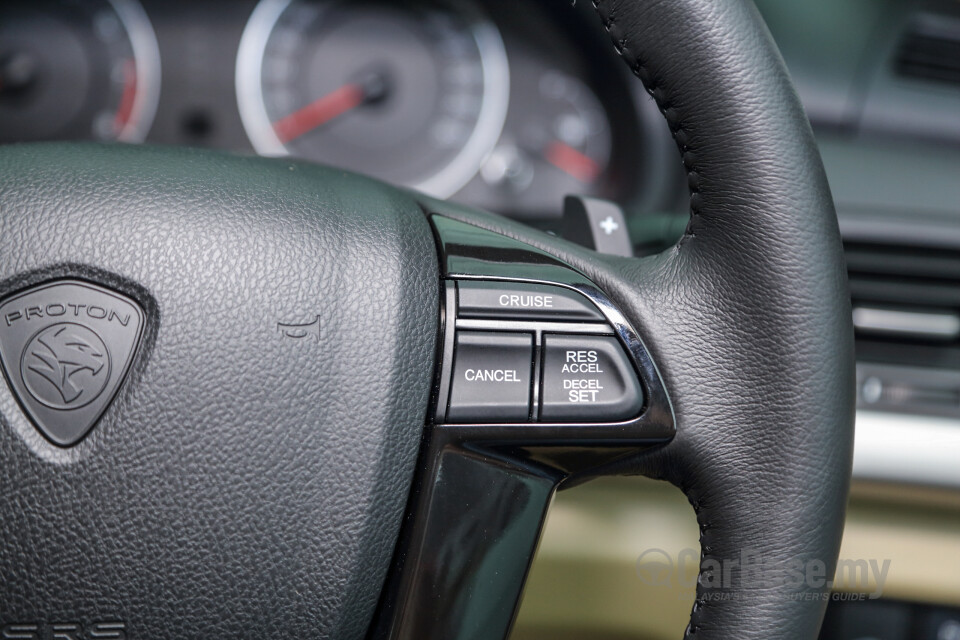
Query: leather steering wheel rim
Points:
[748, 316]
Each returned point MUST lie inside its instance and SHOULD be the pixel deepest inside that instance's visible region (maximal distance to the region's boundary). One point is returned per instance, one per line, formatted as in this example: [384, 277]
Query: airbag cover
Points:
[249, 479]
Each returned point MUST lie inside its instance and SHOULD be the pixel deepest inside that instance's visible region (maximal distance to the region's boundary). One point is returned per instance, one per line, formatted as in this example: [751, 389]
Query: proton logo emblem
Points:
[65, 349]
[65, 366]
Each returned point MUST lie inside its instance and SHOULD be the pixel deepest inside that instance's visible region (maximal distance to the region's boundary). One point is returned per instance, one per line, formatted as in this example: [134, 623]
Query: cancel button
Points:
[588, 379]
[491, 377]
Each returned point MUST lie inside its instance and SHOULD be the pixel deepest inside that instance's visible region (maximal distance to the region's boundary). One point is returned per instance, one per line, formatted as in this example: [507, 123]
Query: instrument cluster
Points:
[492, 103]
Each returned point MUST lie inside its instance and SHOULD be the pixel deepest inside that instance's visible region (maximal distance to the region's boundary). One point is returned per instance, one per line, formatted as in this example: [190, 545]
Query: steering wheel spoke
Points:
[542, 378]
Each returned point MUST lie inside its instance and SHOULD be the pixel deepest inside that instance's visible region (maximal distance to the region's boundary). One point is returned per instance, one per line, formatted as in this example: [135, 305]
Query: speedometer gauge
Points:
[414, 93]
[77, 69]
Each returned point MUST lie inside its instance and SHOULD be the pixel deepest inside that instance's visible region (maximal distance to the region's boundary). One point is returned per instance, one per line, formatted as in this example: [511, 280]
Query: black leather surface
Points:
[242, 484]
[748, 317]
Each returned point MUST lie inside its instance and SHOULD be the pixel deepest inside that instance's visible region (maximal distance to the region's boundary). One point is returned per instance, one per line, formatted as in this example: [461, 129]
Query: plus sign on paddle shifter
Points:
[609, 225]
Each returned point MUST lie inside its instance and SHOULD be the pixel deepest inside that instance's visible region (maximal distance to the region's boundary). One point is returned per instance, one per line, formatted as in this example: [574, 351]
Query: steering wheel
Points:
[256, 398]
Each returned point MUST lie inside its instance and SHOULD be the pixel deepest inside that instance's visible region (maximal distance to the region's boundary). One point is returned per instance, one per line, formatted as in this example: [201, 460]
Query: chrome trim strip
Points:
[146, 57]
[912, 449]
[534, 326]
[913, 323]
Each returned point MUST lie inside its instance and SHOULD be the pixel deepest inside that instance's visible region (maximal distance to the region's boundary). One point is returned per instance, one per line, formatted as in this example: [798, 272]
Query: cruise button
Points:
[491, 377]
[588, 379]
[520, 301]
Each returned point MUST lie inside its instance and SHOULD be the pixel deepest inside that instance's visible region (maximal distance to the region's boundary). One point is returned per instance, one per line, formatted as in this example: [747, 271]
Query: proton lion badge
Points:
[65, 366]
[65, 349]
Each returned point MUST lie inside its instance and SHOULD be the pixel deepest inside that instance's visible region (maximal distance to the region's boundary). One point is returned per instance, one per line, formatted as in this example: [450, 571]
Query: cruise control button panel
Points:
[532, 353]
[492, 375]
[511, 300]
[587, 379]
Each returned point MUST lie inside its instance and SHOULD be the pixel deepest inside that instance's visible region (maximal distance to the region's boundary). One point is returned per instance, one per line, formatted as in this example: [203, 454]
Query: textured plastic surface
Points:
[250, 478]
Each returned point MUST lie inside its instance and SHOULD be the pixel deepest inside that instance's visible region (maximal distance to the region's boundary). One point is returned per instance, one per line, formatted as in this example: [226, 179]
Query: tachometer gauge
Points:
[571, 132]
[414, 93]
[560, 145]
[557, 141]
[77, 69]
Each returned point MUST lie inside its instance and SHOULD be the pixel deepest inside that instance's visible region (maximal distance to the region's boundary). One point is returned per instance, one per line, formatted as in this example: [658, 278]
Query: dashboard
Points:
[495, 108]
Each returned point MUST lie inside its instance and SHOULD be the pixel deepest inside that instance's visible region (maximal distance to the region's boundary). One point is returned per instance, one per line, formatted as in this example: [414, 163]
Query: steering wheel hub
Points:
[266, 331]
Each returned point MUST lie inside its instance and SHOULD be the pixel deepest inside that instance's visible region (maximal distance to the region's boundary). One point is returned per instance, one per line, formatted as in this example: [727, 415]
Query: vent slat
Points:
[905, 294]
[902, 262]
[920, 284]
[930, 49]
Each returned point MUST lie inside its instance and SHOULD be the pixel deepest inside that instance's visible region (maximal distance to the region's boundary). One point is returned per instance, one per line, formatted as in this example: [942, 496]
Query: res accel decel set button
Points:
[587, 378]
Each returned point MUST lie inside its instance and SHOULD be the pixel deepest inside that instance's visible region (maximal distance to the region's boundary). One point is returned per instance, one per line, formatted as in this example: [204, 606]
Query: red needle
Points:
[122, 117]
[322, 110]
[576, 163]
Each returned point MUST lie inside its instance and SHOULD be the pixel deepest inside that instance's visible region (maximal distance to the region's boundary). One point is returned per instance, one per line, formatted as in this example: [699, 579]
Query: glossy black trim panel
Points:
[449, 337]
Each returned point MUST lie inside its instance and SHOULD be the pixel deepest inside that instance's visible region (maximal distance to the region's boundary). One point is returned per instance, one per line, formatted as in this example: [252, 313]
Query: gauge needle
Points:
[320, 111]
[127, 98]
[575, 163]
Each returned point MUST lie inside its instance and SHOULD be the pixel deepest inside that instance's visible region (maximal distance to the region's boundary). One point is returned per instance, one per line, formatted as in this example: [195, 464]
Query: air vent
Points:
[906, 314]
[906, 303]
[930, 48]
